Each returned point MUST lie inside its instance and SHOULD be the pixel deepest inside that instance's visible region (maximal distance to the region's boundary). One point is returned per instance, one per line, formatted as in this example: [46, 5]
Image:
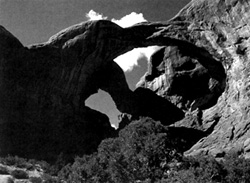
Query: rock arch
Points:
[90, 48]
[49, 82]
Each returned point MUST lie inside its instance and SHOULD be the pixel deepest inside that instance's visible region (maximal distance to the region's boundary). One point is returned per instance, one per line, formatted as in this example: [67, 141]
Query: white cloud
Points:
[92, 15]
[126, 21]
[129, 20]
[130, 59]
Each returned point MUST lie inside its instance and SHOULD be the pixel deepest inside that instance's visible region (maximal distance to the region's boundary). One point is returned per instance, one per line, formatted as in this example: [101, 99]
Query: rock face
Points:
[222, 28]
[181, 79]
[199, 79]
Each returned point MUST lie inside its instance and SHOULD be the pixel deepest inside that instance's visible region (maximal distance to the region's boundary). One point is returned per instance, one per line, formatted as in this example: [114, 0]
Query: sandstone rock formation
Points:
[200, 77]
[222, 28]
[44, 87]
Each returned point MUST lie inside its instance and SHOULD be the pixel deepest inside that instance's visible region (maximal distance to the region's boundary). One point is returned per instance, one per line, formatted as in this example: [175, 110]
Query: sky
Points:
[34, 21]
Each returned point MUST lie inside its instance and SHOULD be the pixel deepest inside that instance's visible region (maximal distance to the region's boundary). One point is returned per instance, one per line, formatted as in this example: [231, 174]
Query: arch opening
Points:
[103, 103]
[138, 59]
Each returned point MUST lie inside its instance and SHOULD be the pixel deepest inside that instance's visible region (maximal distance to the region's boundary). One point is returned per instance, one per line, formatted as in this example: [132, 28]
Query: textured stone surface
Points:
[201, 71]
[222, 28]
[181, 79]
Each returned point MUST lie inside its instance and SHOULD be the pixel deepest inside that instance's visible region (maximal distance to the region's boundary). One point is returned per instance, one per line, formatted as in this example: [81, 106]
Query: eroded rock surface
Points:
[222, 28]
[181, 79]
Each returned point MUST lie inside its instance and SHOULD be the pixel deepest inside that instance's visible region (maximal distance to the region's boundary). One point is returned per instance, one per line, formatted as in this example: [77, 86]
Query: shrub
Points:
[31, 164]
[53, 169]
[19, 174]
[49, 179]
[238, 168]
[4, 170]
[35, 180]
[232, 169]
[145, 152]
[14, 161]
[141, 152]
[199, 169]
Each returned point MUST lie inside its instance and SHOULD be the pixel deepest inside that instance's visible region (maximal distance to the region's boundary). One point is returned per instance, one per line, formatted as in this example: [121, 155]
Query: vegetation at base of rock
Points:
[35, 179]
[19, 174]
[141, 151]
[208, 169]
[198, 169]
[28, 164]
[14, 161]
[3, 170]
[144, 153]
